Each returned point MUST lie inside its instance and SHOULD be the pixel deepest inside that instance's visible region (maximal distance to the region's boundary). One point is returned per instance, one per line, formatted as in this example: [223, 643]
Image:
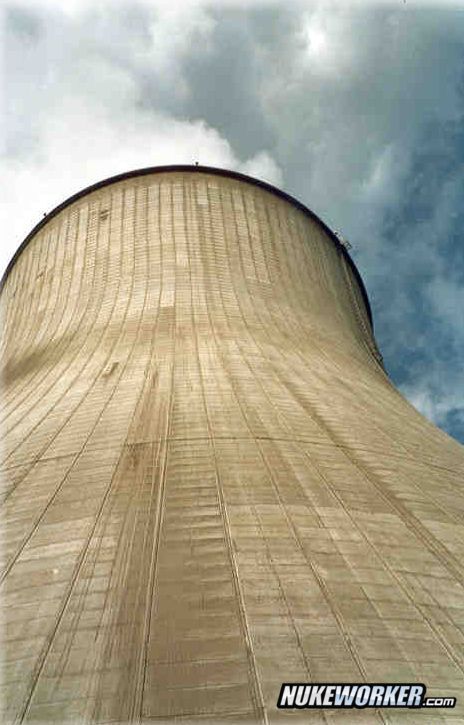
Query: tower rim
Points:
[194, 168]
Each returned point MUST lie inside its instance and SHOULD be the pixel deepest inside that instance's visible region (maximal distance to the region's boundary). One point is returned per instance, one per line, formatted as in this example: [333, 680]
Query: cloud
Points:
[78, 116]
[80, 144]
[174, 30]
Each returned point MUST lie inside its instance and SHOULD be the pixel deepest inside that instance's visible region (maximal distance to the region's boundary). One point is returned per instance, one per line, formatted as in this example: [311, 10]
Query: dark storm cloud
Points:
[356, 109]
[224, 85]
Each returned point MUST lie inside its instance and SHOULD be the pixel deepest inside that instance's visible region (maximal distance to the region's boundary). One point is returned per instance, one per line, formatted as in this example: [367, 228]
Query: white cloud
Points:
[81, 144]
[431, 406]
[436, 398]
[384, 174]
[88, 120]
[263, 166]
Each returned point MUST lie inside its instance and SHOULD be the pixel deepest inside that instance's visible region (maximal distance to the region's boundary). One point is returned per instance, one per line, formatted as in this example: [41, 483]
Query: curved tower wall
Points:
[210, 484]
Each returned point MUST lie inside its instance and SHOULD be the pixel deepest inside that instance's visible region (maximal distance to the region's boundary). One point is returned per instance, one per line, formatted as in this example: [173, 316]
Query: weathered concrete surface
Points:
[210, 484]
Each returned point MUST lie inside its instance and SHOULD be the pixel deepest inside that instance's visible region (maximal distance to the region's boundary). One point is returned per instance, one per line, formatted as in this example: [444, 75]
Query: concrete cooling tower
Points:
[210, 485]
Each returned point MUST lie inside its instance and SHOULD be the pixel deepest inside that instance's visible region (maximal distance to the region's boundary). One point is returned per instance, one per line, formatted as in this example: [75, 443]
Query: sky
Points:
[355, 108]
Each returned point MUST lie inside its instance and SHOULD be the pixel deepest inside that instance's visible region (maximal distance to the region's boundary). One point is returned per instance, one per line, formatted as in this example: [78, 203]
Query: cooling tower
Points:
[210, 484]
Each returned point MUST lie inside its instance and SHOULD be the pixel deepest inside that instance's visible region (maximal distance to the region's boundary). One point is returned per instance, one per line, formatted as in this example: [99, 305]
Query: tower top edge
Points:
[149, 170]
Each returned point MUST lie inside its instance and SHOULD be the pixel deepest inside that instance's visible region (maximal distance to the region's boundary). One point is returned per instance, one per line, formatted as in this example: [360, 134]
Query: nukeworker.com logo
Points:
[349, 695]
